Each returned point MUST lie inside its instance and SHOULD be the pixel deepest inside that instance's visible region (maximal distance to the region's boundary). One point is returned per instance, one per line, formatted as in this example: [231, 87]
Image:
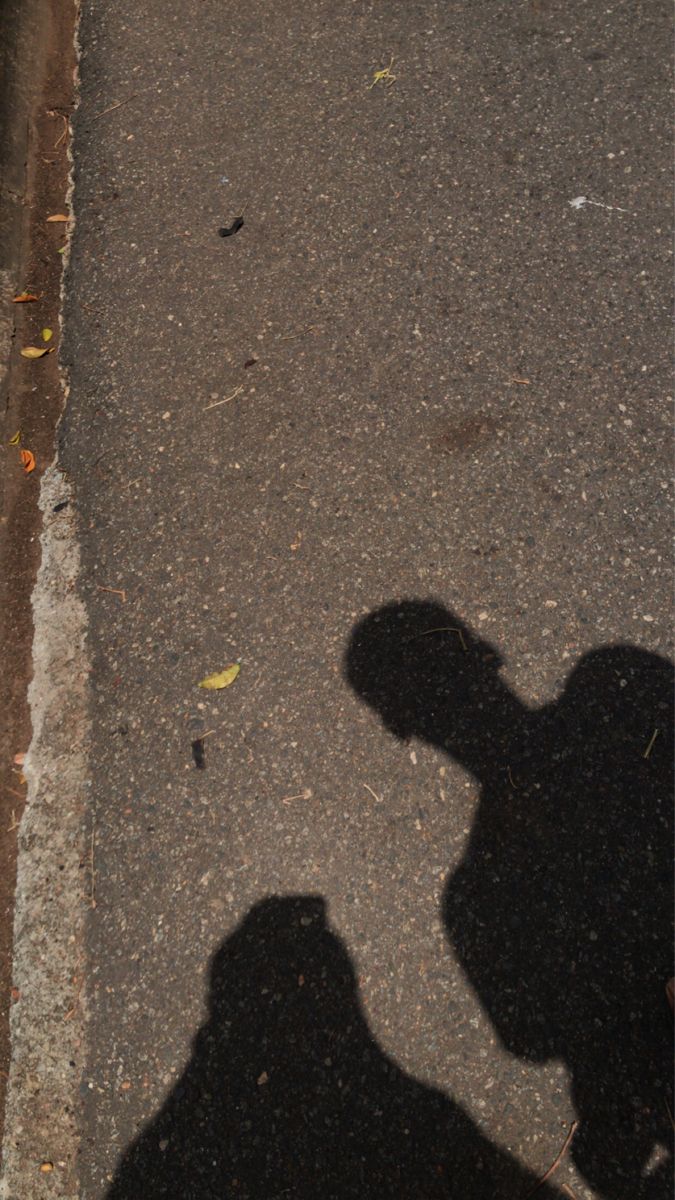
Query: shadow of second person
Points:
[288, 1095]
[560, 911]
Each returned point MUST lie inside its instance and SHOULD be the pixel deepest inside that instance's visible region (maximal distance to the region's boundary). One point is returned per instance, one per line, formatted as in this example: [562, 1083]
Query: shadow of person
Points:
[561, 909]
[288, 1095]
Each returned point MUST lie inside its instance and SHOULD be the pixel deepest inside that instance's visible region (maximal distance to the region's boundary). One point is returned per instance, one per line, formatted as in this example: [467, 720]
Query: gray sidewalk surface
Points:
[391, 913]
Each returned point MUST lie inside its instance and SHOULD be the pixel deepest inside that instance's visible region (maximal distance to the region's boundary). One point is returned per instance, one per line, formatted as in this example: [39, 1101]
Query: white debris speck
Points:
[582, 201]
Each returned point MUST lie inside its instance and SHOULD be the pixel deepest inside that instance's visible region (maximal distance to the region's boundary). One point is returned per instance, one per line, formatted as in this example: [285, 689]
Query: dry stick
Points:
[63, 134]
[442, 629]
[556, 1162]
[115, 592]
[289, 337]
[565, 1187]
[226, 399]
[511, 779]
[12, 792]
[118, 104]
[71, 1011]
[650, 747]
[373, 794]
[672, 1120]
[300, 796]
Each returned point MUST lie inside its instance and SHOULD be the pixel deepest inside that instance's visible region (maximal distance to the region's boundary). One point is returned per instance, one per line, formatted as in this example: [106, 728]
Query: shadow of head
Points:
[288, 1094]
[283, 948]
[428, 676]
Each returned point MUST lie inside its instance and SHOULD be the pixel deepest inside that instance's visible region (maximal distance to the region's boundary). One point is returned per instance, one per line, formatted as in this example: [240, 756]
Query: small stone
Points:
[264, 1078]
[46, 1167]
[163, 1144]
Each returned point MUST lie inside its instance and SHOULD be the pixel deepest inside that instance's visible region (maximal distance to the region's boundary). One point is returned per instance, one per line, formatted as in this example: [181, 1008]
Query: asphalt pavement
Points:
[390, 915]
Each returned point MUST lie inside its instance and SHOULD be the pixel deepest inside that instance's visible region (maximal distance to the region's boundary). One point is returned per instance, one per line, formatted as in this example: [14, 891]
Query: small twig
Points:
[511, 779]
[373, 794]
[71, 1011]
[226, 399]
[565, 1187]
[650, 747]
[515, 379]
[118, 104]
[289, 337]
[12, 792]
[15, 824]
[556, 1162]
[64, 132]
[114, 591]
[305, 794]
[442, 629]
[670, 1114]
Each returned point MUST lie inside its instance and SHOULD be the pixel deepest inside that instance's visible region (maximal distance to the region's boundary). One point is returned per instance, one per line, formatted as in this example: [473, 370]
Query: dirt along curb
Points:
[38, 61]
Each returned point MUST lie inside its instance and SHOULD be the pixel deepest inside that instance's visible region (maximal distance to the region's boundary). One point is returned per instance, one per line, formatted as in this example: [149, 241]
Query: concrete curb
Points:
[53, 882]
[55, 848]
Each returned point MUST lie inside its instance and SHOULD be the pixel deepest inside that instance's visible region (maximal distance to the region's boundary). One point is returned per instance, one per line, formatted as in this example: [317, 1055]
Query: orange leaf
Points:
[28, 460]
[57, 217]
[24, 297]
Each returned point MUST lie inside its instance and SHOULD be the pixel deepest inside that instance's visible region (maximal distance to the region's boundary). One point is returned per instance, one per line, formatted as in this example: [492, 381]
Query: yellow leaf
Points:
[47, 335]
[34, 351]
[221, 679]
[24, 298]
[57, 217]
[14, 441]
